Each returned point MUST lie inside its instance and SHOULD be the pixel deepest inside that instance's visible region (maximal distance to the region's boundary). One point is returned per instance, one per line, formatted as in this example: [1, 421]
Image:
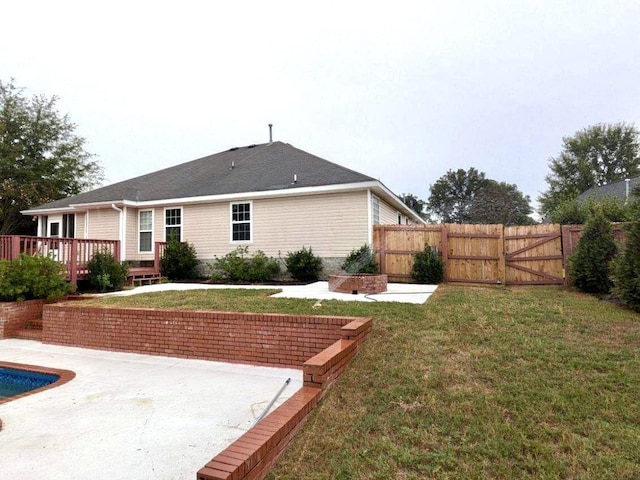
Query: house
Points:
[622, 190]
[271, 197]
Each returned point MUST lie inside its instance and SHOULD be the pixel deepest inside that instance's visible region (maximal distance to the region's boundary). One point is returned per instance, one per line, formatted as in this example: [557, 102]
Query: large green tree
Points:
[453, 194]
[414, 203]
[594, 156]
[501, 202]
[42, 159]
[468, 196]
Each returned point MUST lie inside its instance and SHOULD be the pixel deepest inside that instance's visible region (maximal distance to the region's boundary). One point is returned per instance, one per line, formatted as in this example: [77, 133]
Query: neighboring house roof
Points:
[617, 189]
[270, 167]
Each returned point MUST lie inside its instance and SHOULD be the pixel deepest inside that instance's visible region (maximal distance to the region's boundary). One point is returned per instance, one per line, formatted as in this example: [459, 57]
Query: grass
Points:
[505, 383]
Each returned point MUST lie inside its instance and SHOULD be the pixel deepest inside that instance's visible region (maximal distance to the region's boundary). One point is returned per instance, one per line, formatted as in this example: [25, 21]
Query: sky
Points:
[402, 91]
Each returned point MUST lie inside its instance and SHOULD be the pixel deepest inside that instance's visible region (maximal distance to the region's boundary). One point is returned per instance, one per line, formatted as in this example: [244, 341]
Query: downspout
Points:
[370, 217]
[123, 250]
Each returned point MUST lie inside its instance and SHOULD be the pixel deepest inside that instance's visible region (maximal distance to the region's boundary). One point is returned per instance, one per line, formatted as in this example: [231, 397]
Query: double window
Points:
[145, 231]
[241, 222]
[173, 224]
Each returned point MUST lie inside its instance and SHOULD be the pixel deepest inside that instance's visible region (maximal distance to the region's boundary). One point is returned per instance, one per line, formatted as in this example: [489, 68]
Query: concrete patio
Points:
[129, 415]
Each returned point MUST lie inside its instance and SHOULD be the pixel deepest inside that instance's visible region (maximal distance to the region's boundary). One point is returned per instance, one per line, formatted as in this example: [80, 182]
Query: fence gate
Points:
[533, 255]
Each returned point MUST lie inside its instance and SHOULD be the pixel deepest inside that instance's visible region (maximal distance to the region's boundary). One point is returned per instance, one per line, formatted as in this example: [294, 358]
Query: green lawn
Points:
[495, 382]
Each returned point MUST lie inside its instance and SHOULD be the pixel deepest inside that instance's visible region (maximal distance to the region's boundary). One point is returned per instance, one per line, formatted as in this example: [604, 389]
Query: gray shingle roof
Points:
[615, 189]
[256, 168]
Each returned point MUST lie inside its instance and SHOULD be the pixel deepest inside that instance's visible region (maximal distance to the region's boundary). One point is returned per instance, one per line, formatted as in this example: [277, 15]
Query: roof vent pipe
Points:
[270, 133]
[295, 178]
[233, 165]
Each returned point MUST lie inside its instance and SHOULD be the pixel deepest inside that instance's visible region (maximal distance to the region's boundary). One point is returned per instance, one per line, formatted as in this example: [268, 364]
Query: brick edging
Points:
[252, 456]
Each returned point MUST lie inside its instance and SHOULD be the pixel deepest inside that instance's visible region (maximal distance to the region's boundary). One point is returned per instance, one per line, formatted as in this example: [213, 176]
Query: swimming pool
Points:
[16, 382]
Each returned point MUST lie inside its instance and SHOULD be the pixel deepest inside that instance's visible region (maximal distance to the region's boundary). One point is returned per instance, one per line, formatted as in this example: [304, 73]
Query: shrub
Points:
[574, 212]
[105, 272]
[427, 267]
[590, 265]
[238, 266]
[303, 265]
[626, 268]
[179, 261]
[360, 261]
[32, 277]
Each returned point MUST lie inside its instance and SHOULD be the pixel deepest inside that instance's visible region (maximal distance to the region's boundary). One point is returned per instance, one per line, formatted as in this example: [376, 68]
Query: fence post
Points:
[502, 268]
[382, 243]
[444, 242]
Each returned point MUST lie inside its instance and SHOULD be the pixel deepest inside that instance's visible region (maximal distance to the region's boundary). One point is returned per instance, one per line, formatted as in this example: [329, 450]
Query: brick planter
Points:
[358, 283]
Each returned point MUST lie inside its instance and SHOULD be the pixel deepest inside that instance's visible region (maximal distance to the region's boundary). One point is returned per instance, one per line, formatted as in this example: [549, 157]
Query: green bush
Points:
[179, 261]
[303, 265]
[590, 265]
[361, 261]
[626, 268]
[427, 267]
[32, 277]
[238, 266]
[105, 272]
[574, 212]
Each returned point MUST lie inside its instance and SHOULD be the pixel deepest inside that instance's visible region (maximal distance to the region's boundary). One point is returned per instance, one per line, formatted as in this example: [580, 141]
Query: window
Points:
[375, 203]
[54, 229]
[145, 231]
[241, 222]
[173, 224]
[69, 225]
[399, 218]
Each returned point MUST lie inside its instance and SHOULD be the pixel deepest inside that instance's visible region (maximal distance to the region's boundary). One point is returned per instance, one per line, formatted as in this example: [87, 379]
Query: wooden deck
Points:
[75, 253]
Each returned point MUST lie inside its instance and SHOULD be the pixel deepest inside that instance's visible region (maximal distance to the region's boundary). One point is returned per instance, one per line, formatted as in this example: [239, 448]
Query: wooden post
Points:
[156, 259]
[382, 248]
[73, 265]
[15, 247]
[116, 254]
[444, 241]
[502, 268]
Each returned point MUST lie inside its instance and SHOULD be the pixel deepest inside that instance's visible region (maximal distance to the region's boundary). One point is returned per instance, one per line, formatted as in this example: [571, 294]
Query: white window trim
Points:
[231, 222]
[164, 222]
[142, 231]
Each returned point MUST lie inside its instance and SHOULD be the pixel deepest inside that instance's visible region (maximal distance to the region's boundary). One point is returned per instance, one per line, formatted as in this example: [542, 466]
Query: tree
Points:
[501, 202]
[594, 156]
[414, 203]
[626, 268]
[590, 264]
[469, 197]
[41, 157]
[453, 194]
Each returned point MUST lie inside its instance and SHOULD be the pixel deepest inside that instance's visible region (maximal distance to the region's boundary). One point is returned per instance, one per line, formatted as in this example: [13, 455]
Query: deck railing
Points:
[73, 253]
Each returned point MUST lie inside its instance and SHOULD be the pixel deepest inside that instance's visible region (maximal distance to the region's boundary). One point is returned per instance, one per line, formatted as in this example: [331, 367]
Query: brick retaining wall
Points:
[321, 346]
[257, 339]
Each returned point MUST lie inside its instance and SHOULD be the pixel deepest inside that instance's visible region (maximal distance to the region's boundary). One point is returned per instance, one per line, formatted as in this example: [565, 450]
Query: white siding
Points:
[388, 214]
[332, 224]
[80, 225]
[103, 224]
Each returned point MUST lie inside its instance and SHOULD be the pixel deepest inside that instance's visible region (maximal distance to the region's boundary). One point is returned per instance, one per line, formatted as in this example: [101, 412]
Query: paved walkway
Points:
[396, 292]
[129, 416]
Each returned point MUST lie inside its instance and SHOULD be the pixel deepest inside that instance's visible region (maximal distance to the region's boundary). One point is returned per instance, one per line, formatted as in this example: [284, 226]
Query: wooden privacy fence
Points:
[491, 254]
